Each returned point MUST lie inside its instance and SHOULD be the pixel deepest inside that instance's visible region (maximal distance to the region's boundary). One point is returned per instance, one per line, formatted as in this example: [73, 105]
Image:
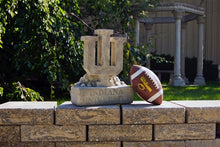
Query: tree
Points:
[119, 15]
[115, 14]
[41, 39]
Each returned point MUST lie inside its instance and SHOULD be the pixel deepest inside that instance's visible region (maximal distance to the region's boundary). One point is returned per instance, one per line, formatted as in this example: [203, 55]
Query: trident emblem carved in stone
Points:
[103, 59]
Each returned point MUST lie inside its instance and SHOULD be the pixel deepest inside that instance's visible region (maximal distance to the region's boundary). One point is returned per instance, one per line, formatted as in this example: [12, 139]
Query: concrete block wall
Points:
[172, 124]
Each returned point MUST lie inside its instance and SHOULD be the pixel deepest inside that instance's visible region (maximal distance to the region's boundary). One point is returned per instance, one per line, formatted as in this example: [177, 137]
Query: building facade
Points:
[163, 35]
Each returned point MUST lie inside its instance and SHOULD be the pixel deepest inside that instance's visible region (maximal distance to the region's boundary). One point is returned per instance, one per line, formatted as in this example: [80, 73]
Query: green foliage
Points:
[166, 62]
[1, 91]
[105, 12]
[139, 55]
[17, 92]
[134, 55]
[41, 39]
[115, 14]
[119, 15]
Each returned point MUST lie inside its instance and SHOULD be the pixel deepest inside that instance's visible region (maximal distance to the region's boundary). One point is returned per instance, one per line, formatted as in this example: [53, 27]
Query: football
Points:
[146, 84]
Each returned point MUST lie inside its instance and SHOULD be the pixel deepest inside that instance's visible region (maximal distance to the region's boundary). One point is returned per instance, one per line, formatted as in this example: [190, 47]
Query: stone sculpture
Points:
[103, 61]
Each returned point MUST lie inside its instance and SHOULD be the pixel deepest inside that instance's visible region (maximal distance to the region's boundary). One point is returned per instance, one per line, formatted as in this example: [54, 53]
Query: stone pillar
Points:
[183, 47]
[148, 28]
[177, 79]
[219, 73]
[199, 80]
[137, 30]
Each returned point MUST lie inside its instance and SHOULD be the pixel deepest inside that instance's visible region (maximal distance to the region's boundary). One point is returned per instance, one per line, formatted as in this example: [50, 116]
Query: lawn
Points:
[211, 91]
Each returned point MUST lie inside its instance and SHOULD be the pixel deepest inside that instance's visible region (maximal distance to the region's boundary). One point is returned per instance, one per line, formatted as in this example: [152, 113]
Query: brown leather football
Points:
[146, 84]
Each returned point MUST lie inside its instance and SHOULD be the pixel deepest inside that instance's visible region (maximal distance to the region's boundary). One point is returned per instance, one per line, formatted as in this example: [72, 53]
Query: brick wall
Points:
[172, 124]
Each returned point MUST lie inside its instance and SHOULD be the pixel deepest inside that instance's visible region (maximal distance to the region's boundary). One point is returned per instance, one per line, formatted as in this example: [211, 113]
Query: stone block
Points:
[10, 144]
[17, 113]
[203, 143]
[69, 114]
[201, 110]
[218, 130]
[155, 144]
[91, 96]
[10, 134]
[184, 131]
[120, 133]
[53, 133]
[28, 144]
[88, 144]
[142, 112]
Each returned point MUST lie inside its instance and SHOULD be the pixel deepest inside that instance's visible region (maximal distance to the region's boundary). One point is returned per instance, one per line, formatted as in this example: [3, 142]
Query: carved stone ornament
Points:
[102, 61]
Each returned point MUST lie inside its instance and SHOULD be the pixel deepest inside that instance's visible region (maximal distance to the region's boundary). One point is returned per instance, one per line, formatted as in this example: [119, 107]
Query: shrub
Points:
[17, 92]
[210, 70]
[1, 91]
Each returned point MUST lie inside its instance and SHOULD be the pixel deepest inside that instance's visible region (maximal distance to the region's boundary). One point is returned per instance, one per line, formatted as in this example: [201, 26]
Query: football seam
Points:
[152, 79]
[147, 73]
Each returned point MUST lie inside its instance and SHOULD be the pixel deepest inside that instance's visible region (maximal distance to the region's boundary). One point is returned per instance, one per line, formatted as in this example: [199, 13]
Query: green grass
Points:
[211, 91]
[60, 101]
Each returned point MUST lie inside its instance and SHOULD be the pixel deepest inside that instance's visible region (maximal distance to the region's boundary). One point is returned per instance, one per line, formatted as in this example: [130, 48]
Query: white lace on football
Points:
[152, 77]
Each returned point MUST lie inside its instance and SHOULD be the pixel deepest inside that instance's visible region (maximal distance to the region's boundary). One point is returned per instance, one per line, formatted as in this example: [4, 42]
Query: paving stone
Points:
[88, 144]
[53, 133]
[218, 130]
[120, 133]
[184, 131]
[201, 110]
[203, 143]
[17, 113]
[155, 144]
[69, 114]
[141, 112]
[9, 133]
[28, 144]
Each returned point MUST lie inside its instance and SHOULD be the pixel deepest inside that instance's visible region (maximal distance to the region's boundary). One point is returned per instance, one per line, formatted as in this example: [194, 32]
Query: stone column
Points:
[148, 28]
[183, 47]
[219, 73]
[137, 30]
[177, 80]
[199, 80]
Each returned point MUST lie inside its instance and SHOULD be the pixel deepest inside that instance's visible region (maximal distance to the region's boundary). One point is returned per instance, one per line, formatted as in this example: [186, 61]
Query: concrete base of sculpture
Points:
[91, 96]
